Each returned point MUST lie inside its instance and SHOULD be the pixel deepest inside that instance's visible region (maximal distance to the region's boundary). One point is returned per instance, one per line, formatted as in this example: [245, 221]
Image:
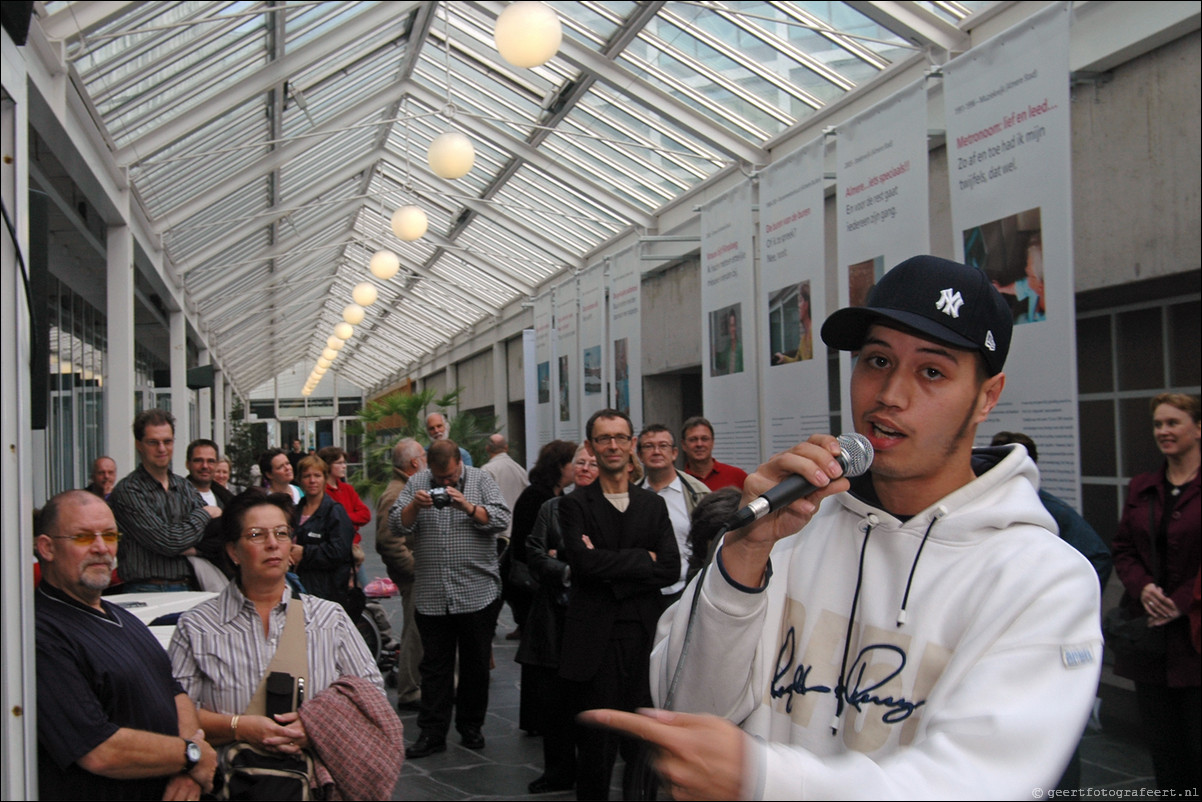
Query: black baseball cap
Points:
[948, 302]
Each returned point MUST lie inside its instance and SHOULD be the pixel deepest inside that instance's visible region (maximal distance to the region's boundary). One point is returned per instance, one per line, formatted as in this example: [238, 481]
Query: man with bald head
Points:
[112, 722]
[104, 476]
[408, 457]
[437, 429]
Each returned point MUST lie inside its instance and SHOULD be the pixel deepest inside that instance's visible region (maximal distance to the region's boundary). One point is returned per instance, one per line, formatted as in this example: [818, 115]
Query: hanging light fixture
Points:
[353, 314]
[322, 362]
[335, 342]
[528, 34]
[364, 294]
[344, 331]
[385, 264]
[409, 223]
[451, 155]
[329, 354]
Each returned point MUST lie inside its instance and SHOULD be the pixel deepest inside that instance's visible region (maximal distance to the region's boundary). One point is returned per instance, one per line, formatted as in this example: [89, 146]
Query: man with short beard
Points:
[104, 476]
[112, 722]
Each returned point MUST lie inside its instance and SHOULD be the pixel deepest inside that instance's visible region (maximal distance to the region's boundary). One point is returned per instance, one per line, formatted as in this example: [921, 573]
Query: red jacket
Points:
[1132, 547]
[356, 510]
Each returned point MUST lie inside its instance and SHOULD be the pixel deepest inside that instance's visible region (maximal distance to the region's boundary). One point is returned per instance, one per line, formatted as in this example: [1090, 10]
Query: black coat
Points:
[325, 570]
[543, 630]
[617, 578]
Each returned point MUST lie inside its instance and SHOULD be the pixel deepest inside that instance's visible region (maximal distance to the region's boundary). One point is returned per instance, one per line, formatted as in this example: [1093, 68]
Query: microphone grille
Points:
[857, 451]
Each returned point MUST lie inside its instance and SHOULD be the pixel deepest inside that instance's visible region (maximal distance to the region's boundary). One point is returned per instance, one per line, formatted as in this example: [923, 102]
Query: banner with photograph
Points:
[792, 298]
[882, 200]
[626, 335]
[565, 369]
[1009, 149]
[592, 341]
[543, 353]
[730, 366]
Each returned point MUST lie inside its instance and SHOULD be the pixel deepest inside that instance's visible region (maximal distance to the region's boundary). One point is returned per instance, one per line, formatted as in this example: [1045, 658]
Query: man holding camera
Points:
[452, 514]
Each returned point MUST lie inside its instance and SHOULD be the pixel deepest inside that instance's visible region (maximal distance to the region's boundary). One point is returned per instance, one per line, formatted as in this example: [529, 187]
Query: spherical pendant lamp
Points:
[335, 342]
[451, 155]
[364, 294]
[528, 34]
[409, 223]
[353, 314]
[329, 354]
[344, 331]
[385, 264]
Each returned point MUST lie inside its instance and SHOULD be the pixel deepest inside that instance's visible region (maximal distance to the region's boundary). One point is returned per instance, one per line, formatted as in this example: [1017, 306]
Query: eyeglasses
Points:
[158, 443]
[282, 534]
[606, 439]
[665, 447]
[87, 538]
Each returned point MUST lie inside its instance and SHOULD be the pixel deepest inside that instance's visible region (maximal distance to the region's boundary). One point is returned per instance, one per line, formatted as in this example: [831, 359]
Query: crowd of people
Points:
[916, 631]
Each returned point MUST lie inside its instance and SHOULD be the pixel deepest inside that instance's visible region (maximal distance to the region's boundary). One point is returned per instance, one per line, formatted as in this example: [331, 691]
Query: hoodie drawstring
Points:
[940, 511]
[841, 687]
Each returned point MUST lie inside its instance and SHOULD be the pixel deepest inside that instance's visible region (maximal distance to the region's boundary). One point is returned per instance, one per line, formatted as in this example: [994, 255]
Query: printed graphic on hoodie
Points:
[884, 687]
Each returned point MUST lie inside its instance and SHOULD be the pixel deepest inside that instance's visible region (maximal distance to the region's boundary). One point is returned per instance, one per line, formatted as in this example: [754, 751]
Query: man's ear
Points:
[990, 393]
[43, 546]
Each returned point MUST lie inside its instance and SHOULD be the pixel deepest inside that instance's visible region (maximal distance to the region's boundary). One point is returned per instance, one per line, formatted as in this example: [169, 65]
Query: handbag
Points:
[243, 771]
[1129, 635]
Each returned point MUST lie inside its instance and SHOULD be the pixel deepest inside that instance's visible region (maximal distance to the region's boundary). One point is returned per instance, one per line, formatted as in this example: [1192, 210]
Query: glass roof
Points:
[270, 142]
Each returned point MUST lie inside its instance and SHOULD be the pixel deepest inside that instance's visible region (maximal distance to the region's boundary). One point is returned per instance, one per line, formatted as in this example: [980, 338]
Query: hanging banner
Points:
[592, 340]
[793, 296]
[730, 367]
[626, 335]
[1009, 150]
[566, 366]
[882, 200]
[542, 367]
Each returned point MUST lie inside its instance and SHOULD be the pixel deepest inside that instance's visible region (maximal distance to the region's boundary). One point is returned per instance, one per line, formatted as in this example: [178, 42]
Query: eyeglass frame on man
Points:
[606, 439]
[110, 537]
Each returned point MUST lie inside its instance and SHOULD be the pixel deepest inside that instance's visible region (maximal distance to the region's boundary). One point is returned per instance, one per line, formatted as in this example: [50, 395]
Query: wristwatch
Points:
[191, 755]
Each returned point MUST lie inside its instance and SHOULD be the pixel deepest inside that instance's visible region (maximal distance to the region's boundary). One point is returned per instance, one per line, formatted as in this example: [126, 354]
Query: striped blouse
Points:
[219, 653]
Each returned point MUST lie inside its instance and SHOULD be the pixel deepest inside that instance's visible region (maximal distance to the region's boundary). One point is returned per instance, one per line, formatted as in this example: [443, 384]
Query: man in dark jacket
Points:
[619, 544]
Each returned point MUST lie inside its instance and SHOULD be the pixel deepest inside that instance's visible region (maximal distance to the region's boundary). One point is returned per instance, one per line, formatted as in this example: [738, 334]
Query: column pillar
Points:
[204, 401]
[219, 410]
[178, 338]
[500, 385]
[119, 373]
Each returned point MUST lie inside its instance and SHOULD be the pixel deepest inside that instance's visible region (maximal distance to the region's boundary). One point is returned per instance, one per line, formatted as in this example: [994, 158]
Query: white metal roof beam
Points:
[271, 76]
[77, 18]
[519, 148]
[658, 101]
[914, 24]
[312, 193]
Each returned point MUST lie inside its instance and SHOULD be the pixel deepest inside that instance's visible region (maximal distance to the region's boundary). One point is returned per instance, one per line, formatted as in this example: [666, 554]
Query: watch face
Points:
[192, 753]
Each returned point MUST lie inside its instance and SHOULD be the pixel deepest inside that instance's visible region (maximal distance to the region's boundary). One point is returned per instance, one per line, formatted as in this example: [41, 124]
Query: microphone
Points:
[855, 458]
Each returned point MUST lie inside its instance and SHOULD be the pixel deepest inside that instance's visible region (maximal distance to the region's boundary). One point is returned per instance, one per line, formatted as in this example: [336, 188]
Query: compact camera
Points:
[440, 497]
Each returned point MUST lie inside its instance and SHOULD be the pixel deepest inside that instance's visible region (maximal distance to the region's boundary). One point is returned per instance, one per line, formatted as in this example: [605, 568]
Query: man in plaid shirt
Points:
[451, 514]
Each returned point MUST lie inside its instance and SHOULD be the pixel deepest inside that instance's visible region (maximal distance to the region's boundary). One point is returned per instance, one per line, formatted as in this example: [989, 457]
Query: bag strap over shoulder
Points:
[291, 657]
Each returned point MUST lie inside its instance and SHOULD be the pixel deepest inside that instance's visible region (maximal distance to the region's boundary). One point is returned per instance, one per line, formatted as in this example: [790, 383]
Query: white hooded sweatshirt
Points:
[969, 670]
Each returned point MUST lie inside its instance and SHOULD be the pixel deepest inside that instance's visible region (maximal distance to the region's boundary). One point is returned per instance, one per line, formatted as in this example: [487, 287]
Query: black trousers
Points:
[1172, 720]
[622, 682]
[470, 635]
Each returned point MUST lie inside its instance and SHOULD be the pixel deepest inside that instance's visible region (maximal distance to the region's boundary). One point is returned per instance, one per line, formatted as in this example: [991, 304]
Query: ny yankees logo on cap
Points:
[949, 302]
